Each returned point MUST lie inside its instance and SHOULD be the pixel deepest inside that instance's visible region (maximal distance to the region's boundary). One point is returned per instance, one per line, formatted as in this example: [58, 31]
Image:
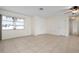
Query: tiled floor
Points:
[40, 44]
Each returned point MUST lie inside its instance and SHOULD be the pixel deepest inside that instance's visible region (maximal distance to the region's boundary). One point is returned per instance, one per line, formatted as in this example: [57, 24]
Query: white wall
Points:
[58, 25]
[17, 33]
[39, 25]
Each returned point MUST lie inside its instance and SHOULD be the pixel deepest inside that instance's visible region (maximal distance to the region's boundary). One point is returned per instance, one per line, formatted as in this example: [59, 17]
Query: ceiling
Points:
[34, 10]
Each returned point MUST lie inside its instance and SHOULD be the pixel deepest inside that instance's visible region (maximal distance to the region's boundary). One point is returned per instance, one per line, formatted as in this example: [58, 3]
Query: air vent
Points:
[41, 8]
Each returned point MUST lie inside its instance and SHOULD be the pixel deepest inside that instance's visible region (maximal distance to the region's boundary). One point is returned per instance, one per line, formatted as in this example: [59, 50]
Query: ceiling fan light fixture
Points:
[75, 11]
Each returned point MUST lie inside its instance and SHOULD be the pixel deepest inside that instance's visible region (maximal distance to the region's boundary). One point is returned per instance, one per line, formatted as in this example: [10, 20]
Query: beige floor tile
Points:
[41, 44]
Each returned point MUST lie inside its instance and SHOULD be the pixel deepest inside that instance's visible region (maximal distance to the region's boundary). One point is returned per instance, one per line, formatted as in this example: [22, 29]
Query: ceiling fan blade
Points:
[68, 11]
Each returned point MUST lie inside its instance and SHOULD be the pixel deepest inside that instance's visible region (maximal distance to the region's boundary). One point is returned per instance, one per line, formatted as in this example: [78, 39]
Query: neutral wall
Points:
[17, 33]
[39, 25]
[58, 25]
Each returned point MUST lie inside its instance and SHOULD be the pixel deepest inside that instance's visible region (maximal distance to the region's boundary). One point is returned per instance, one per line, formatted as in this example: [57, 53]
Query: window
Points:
[7, 22]
[19, 24]
[12, 23]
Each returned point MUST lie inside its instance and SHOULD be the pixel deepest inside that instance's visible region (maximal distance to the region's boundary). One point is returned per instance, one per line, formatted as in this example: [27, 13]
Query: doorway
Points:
[0, 27]
[74, 25]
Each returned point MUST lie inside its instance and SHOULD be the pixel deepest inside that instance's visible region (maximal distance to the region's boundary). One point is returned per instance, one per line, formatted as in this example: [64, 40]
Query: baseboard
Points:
[34, 35]
[17, 37]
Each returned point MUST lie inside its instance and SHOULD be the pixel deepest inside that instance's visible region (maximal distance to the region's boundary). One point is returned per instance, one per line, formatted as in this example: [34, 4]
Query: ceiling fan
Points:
[73, 10]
